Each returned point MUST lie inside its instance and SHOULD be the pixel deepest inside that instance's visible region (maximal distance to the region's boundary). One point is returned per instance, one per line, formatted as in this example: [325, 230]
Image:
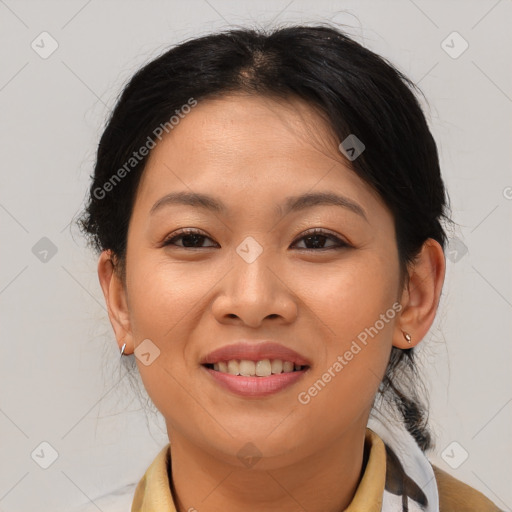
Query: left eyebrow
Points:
[297, 203]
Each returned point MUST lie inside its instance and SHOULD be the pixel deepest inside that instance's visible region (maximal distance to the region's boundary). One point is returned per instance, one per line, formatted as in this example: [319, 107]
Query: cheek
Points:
[163, 294]
[353, 294]
[357, 305]
[342, 393]
[167, 301]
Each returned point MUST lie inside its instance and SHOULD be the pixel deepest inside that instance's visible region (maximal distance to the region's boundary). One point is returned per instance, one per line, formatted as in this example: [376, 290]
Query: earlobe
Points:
[115, 299]
[420, 297]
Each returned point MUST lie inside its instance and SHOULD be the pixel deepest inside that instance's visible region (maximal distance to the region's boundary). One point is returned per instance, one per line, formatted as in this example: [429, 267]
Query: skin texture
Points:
[251, 152]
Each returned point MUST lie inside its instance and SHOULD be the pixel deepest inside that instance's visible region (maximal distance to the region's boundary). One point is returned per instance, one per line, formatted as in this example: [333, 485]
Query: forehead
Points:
[239, 144]
[237, 125]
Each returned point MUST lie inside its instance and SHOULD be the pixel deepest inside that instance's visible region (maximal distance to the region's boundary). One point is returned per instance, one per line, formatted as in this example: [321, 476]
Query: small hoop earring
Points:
[122, 350]
[407, 337]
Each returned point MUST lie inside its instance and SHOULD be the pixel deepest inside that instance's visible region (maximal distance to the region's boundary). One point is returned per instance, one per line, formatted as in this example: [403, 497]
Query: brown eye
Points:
[190, 239]
[317, 239]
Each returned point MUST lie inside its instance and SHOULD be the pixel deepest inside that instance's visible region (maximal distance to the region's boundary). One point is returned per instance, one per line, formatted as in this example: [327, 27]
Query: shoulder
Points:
[455, 496]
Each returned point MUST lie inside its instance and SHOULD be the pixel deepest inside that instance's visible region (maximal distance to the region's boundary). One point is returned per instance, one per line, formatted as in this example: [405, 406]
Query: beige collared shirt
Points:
[153, 492]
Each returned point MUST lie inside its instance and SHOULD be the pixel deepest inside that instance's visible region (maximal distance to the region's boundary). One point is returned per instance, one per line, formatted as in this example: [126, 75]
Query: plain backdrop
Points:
[61, 383]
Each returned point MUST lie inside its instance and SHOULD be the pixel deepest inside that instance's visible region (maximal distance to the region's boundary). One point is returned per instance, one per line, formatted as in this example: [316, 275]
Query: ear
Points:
[115, 298]
[421, 294]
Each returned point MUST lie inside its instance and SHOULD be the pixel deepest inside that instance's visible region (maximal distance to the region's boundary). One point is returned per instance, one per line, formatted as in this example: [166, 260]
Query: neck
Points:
[324, 481]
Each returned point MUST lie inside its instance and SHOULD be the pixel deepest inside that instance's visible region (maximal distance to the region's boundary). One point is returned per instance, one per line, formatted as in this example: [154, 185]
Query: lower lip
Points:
[256, 386]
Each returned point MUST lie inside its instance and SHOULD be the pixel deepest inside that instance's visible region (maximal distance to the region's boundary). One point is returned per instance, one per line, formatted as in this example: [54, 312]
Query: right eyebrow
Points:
[189, 199]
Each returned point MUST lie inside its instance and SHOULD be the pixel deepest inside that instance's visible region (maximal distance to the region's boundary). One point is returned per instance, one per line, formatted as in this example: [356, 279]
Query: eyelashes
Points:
[192, 234]
[194, 239]
[318, 233]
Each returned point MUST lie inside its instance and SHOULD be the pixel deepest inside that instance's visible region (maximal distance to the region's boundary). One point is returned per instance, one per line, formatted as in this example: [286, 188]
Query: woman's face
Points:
[254, 276]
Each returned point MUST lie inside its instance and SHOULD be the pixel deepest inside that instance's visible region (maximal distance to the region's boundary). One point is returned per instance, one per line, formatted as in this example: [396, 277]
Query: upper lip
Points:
[255, 351]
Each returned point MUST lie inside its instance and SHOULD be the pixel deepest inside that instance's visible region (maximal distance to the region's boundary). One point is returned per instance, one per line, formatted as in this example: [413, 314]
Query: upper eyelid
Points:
[319, 231]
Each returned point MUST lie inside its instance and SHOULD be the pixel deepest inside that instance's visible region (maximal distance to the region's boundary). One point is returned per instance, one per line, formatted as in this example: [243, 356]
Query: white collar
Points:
[416, 465]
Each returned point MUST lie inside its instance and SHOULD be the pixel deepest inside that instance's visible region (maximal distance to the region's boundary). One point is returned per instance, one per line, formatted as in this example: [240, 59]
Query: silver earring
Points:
[407, 337]
[122, 350]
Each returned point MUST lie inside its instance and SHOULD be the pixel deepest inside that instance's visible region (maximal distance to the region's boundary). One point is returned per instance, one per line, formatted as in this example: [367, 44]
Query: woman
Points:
[268, 210]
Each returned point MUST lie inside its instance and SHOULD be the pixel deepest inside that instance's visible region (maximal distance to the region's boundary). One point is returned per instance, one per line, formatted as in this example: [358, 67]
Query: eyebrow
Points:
[291, 204]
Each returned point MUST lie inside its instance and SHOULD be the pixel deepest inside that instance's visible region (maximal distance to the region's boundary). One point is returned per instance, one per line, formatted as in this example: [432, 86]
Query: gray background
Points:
[60, 377]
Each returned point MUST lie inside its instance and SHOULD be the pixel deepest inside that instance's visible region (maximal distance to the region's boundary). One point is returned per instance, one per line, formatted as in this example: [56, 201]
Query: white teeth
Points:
[262, 368]
[247, 368]
[276, 365]
[233, 367]
[288, 367]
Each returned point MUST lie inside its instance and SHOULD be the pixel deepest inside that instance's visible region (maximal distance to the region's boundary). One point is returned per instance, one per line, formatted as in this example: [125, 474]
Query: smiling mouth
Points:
[261, 368]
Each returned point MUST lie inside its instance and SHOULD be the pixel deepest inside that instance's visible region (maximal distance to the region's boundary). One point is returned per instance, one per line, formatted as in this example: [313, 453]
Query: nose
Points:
[254, 292]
